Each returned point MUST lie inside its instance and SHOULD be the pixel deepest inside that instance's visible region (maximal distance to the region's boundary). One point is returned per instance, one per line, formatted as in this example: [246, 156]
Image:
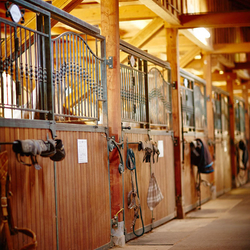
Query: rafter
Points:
[161, 11]
[126, 13]
[189, 56]
[145, 34]
[190, 35]
[215, 20]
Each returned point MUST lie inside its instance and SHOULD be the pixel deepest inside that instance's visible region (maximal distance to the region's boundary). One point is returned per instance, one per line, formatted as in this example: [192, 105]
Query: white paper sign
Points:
[82, 151]
[161, 148]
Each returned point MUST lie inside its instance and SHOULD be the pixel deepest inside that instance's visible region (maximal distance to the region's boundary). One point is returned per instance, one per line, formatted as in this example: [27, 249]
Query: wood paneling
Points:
[33, 191]
[164, 173]
[223, 165]
[82, 192]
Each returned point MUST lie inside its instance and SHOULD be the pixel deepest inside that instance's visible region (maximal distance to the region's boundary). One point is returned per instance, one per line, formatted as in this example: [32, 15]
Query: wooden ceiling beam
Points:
[231, 48]
[190, 35]
[126, 13]
[215, 20]
[160, 11]
[189, 56]
[145, 34]
[224, 77]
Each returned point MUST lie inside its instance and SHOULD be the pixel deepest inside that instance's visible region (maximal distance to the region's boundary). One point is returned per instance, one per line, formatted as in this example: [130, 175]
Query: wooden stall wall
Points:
[227, 163]
[33, 191]
[164, 173]
[223, 177]
[189, 177]
[83, 193]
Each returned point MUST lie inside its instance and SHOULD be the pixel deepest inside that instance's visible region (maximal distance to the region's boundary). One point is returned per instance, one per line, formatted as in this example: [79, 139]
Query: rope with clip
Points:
[134, 193]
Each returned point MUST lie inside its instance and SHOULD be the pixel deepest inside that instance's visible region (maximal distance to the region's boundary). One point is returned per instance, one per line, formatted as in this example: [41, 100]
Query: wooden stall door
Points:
[83, 193]
[164, 174]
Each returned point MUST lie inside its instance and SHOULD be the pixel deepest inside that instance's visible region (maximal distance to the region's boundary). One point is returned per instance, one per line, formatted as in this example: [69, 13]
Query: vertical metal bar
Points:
[49, 82]
[57, 81]
[92, 84]
[40, 72]
[87, 76]
[31, 71]
[36, 69]
[26, 69]
[145, 69]
[59, 77]
[68, 68]
[80, 62]
[74, 71]
[84, 76]
[77, 76]
[18, 91]
[104, 80]
[71, 72]
[64, 75]
[44, 93]
[11, 71]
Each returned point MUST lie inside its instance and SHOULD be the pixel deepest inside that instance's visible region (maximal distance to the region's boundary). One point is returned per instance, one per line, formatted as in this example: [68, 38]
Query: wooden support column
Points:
[247, 130]
[173, 59]
[210, 113]
[230, 84]
[110, 29]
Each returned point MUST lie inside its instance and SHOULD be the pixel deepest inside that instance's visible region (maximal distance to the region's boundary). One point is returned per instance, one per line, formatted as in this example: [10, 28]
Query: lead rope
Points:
[130, 163]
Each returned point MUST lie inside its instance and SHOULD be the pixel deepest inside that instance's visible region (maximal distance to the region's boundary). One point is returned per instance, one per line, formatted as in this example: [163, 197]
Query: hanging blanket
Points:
[154, 193]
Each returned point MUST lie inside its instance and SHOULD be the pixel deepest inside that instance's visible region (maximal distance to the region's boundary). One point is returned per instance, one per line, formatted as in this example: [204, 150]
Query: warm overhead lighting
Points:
[201, 32]
[221, 72]
[237, 81]
[197, 57]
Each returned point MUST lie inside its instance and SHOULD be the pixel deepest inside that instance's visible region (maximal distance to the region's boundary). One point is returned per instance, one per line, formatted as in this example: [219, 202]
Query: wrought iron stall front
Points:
[78, 77]
[239, 109]
[193, 100]
[145, 89]
[24, 79]
[221, 118]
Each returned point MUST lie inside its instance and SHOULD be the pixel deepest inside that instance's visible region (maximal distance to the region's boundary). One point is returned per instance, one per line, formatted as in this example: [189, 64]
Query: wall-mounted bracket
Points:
[109, 62]
[52, 127]
[173, 85]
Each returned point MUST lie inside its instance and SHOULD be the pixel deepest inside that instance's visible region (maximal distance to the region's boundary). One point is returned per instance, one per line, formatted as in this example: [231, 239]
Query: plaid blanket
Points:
[154, 193]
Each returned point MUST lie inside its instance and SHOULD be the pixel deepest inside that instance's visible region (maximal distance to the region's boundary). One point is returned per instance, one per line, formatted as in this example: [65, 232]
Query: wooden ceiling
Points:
[142, 23]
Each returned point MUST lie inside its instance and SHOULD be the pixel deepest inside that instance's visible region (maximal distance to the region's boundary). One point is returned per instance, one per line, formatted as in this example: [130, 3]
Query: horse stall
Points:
[193, 112]
[146, 117]
[222, 175]
[55, 88]
[240, 142]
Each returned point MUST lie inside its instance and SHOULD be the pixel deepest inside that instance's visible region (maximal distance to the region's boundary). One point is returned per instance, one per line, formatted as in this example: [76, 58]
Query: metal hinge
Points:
[109, 62]
[173, 85]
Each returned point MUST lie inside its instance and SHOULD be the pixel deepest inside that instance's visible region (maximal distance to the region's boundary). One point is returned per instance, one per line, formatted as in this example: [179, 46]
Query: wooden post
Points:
[230, 83]
[210, 113]
[110, 29]
[173, 59]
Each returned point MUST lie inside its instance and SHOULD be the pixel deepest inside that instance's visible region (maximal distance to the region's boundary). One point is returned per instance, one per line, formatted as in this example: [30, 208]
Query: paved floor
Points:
[222, 224]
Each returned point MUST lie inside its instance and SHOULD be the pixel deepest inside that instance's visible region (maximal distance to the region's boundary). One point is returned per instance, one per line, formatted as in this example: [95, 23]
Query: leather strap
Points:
[6, 208]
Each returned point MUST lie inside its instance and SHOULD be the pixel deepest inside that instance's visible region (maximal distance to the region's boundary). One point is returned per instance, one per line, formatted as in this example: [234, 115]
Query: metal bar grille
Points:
[77, 79]
[133, 97]
[22, 72]
[160, 107]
